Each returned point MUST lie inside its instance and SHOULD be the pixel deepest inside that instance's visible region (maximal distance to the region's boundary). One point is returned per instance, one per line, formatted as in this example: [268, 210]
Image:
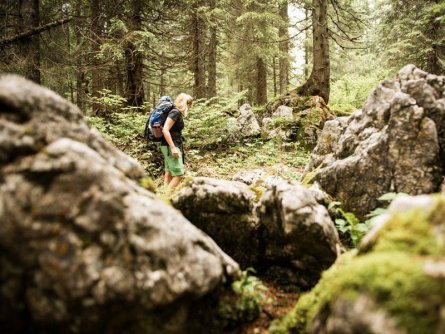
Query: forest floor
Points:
[277, 303]
[274, 159]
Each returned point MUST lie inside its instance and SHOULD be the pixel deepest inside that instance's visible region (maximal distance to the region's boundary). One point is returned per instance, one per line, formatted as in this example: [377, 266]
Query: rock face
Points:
[395, 143]
[223, 209]
[84, 248]
[395, 284]
[283, 111]
[300, 240]
[287, 233]
[245, 125]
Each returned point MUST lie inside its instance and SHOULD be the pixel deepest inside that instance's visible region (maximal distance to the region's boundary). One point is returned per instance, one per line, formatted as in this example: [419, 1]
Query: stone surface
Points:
[283, 111]
[285, 233]
[84, 248]
[300, 239]
[251, 177]
[222, 209]
[245, 125]
[394, 144]
[359, 316]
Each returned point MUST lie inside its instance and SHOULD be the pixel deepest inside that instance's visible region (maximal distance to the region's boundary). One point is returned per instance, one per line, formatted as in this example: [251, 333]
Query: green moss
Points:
[309, 177]
[148, 183]
[394, 280]
[258, 190]
[391, 274]
[414, 232]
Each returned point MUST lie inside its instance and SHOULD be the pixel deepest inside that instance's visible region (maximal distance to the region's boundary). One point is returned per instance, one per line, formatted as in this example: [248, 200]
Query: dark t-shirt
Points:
[176, 129]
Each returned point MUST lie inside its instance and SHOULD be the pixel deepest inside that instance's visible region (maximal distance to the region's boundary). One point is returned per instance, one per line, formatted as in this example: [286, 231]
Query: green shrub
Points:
[246, 304]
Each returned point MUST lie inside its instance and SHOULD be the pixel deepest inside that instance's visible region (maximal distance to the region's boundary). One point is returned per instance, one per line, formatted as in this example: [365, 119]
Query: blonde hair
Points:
[184, 102]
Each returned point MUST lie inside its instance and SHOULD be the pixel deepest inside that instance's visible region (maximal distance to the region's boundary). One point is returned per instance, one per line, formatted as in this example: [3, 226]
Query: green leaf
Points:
[376, 212]
[334, 204]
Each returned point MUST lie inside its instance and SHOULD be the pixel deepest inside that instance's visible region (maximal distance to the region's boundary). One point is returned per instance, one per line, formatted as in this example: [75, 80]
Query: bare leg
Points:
[175, 181]
[167, 178]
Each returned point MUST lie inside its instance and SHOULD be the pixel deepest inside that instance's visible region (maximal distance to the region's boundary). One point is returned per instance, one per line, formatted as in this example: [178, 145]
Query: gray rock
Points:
[284, 112]
[265, 121]
[85, 249]
[222, 209]
[395, 143]
[251, 177]
[286, 235]
[298, 234]
[248, 123]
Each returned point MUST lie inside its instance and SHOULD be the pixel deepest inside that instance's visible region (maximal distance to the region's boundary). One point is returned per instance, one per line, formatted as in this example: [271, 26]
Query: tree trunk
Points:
[274, 73]
[306, 46]
[211, 86]
[135, 85]
[162, 82]
[198, 54]
[318, 82]
[433, 32]
[30, 46]
[261, 82]
[96, 83]
[80, 74]
[284, 49]
[119, 80]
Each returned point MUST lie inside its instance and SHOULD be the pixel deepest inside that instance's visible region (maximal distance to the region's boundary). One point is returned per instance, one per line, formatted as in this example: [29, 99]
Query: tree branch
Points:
[34, 31]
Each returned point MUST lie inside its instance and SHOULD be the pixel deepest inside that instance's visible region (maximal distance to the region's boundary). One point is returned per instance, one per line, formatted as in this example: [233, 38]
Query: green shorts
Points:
[174, 166]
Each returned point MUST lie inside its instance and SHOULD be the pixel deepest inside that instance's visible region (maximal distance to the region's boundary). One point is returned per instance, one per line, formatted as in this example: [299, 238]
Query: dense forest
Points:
[131, 52]
[309, 151]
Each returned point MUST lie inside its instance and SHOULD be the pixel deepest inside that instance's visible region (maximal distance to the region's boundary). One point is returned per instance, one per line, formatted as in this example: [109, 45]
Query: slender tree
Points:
[96, 31]
[319, 80]
[30, 46]
[198, 53]
[213, 44]
[283, 35]
[134, 59]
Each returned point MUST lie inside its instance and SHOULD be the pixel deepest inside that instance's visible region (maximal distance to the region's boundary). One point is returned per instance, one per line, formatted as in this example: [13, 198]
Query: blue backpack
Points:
[153, 127]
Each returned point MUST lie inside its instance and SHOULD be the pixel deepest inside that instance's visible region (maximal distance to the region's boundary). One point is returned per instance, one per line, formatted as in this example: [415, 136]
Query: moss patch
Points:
[391, 274]
[414, 232]
[395, 281]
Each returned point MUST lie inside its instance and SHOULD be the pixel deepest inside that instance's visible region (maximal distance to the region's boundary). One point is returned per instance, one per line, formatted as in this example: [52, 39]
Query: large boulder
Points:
[395, 143]
[85, 249]
[299, 237]
[395, 284]
[283, 233]
[222, 209]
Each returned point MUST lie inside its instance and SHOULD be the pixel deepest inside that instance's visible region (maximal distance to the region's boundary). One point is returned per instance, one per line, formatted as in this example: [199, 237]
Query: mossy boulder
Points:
[304, 124]
[395, 283]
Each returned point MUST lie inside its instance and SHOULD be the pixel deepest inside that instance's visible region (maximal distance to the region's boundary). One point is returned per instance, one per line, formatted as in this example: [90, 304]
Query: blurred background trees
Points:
[104, 55]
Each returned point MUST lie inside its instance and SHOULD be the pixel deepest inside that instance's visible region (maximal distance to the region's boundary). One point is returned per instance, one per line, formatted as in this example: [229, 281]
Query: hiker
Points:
[171, 143]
